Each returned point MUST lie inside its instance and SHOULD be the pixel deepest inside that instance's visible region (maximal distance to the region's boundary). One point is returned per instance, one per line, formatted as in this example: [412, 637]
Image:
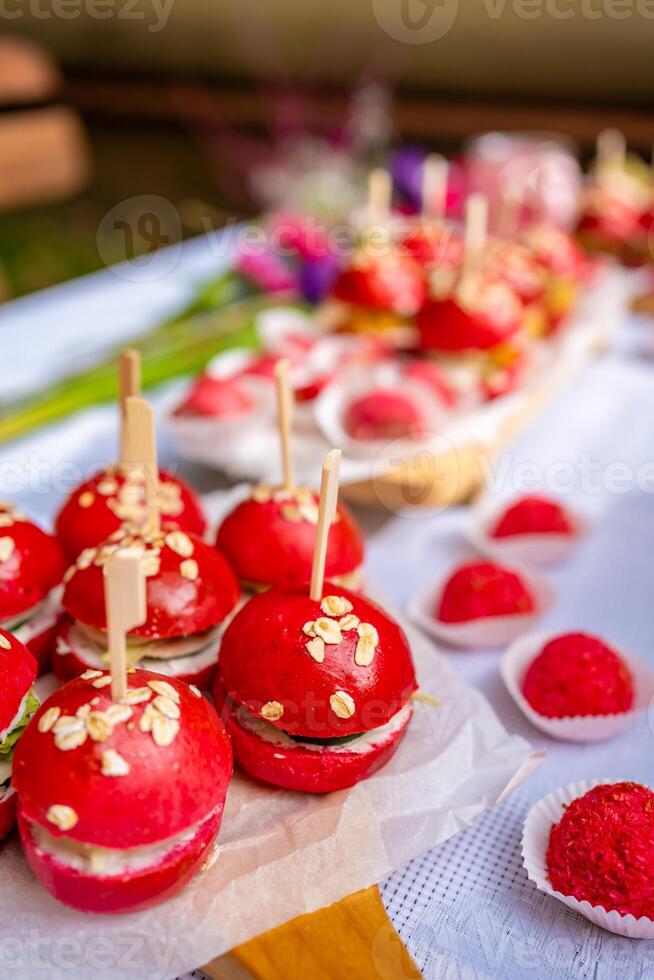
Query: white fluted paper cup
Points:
[527, 549]
[579, 728]
[535, 839]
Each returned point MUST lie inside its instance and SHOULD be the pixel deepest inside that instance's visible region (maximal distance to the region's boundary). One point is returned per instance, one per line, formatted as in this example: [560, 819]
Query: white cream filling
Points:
[108, 861]
[172, 657]
[38, 619]
[364, 743]
[17, 717]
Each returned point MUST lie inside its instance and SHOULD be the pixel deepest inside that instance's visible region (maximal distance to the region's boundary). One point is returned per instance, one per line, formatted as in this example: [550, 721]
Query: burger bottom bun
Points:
[307, 770]
[129, 892]
[68, 663]
[7, 812]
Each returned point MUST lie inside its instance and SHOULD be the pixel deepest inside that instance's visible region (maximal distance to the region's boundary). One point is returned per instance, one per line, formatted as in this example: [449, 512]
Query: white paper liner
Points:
[535, 839]
[580, 728]
[491, 631]
[526, 549]
[332, 404]
[282, 854]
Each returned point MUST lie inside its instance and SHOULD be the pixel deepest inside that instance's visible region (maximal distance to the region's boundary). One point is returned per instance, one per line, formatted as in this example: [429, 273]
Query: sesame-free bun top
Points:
[17, 674]
[306, 668]
[31, 563]
[137, 773]
[269, 538]
[189, 585]
[99, 506]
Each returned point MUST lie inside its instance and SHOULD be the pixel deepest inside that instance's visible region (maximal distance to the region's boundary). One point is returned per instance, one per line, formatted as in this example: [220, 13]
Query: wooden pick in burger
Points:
[475, 231]
[125, 603]
[142, 454]
[129, 386]
[434, 187]
[326, 513]
[285, 420]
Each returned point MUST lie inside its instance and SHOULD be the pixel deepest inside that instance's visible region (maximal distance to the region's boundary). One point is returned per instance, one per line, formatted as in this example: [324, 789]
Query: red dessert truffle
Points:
[482, 589]
[602, 849]
[576, 674]
[384, 413]
[533, 515]
[217, 398]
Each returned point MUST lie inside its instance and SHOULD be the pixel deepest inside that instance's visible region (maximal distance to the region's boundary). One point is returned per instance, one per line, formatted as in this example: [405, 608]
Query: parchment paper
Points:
[282, 854]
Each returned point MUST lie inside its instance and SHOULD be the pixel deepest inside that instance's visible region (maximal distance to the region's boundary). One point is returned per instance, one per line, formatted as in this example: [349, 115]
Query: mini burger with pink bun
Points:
[31, 569]
[269, 538]
[315, 683]
[18, 703]
[191, 591]
[120, 801]
[317, 694]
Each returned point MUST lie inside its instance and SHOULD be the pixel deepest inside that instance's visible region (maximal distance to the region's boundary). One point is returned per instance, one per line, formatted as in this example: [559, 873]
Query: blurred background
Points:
[219, 107]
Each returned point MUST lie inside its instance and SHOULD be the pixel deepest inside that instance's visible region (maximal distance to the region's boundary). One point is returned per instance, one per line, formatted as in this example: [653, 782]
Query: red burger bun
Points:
[265, 547]
[95, 509]
[177, 603]
[17, 675]
[449, 324]
[265, 660]
[298, 768]
[130, 892]
[7, 812]
[394, 283]
[33, 566]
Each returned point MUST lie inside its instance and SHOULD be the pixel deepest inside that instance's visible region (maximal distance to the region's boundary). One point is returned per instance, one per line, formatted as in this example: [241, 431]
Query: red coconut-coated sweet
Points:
[264, 547]
[178, 604]
[34, 564]
[129, 892]
[264, 658]
[17, 674]
[602, 849]
[68, 663]
[447, 325]
[576, 674]
[99, 507]
[301, 769]
[394, 283]
[480, 589]
[384, 413]
[167, 790]
[216, 397]
[7, 812]
[533, 515]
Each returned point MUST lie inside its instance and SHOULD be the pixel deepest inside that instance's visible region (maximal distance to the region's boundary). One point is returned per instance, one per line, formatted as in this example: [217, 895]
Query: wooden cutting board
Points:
[351, 940]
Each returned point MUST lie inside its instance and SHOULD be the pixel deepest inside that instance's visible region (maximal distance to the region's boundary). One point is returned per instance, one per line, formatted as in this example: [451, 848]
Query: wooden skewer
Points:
[284, 420]
[476, 228]
[129, 385]
[142, 446]
[125, 602]
[611, 150]
[434, 186]
[326, 513]
[380, 195]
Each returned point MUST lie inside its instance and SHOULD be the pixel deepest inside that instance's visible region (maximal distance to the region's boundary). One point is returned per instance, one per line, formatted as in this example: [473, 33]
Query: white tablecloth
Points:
[465, 910]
